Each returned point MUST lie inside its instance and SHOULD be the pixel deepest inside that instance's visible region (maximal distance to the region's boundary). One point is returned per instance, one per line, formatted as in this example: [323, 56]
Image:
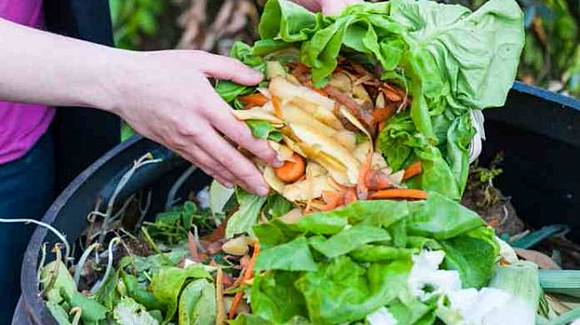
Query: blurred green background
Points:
[551, 57]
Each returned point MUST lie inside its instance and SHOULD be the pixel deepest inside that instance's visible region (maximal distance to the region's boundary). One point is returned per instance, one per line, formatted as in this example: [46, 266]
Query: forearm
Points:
[44, 68]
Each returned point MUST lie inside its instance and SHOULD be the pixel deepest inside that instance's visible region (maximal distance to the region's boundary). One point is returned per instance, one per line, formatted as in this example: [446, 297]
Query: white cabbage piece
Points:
[427, 280]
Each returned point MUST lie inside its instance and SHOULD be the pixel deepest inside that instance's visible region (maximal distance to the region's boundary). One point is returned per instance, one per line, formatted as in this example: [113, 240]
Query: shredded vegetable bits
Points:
[328, 135]
[247, 276]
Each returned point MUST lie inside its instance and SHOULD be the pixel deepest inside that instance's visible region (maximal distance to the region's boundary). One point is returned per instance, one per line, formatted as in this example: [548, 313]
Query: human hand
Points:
[166, 97]
[328, 7]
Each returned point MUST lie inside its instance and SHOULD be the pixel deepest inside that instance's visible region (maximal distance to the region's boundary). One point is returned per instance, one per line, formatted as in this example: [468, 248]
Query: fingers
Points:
[335, 7]
[223, 120]
[244, 171]
[211, 167]
[224, 68]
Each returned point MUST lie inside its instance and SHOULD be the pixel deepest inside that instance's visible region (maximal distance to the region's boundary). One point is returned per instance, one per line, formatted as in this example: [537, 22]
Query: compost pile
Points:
[372, 113]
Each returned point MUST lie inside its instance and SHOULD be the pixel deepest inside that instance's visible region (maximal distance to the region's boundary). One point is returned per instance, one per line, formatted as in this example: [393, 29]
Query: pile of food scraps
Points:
[372, 112]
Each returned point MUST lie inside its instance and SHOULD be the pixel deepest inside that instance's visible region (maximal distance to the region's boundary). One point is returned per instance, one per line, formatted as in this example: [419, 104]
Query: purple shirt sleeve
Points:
[21, 125]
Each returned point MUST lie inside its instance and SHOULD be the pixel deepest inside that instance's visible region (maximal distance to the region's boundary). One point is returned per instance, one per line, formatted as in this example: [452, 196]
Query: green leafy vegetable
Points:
[441, 218]
[247, 215]
[342, 291]
[275, 298]
[197, 304]
[292, 256]
[167, 284]
[322, 224]
[129, 312]
[350, 239]
[474, 255]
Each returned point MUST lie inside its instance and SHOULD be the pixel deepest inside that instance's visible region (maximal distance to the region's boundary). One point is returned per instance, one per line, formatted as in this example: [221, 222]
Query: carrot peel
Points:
[413, 170]
[291, 170]
[399, 194]
[253, 100]
[248, 274]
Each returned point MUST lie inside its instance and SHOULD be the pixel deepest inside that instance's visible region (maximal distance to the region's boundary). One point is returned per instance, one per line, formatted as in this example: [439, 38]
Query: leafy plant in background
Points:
[134, 20]
[551, 57]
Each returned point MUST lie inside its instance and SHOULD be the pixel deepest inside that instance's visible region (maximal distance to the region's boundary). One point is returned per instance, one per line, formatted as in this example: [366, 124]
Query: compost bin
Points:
[537, 131]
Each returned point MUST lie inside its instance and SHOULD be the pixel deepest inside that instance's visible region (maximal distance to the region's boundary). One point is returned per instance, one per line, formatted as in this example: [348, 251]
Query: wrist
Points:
[114, 80]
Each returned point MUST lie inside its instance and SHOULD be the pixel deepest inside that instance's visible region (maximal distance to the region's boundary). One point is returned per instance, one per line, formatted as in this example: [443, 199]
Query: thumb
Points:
[224, 68]
[335, 7]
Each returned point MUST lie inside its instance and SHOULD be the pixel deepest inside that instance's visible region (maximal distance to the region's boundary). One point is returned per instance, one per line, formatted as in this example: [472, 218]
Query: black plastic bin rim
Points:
[34, 302]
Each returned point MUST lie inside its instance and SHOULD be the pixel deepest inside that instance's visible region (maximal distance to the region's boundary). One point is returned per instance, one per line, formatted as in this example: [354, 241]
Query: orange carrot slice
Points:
[377, 181]
[248, 274]
[383, 114]
[291, 170]
[332, 200]
[399, 194]
[254, 100]
[413, 170]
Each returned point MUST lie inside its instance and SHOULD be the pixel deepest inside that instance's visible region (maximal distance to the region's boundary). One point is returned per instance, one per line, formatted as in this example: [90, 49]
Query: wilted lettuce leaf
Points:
[342, 291]
[277, 206]
[381, 253]
[292, 256]
[129, 312]
[249, 319]
[59, 314]
[167, 284]
[246, 217]
[276, 299]
[350, 239]
[474, 255]
[442, 218]
[322, 224]
[228, 90]
[381, 213]
[275, 233]
[197, 303]
[264, 130]
[410, 311]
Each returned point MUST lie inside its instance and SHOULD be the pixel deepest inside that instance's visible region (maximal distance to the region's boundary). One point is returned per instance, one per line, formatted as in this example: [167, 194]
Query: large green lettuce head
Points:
[451, 61]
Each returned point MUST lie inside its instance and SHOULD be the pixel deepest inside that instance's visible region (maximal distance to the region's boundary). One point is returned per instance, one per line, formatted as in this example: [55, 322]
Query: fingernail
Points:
[227, 185]
[263, 190]
[277, 163]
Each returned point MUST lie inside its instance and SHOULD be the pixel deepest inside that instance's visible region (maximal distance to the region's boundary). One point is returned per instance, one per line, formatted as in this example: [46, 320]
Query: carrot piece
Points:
[399, 194]
[383, 114]
[350, 196]
[248, 274]
[277, 106]
[332, 200]
[413, 170]
[291, 170]
[254, 100]
[377, 181]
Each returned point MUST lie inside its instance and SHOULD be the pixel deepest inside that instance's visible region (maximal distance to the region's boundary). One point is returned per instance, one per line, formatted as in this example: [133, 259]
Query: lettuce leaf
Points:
[292, 256]
[473, 255]
[246, 216]
[449, 59]
[275, 298]
[342, 291]
[350, 239]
